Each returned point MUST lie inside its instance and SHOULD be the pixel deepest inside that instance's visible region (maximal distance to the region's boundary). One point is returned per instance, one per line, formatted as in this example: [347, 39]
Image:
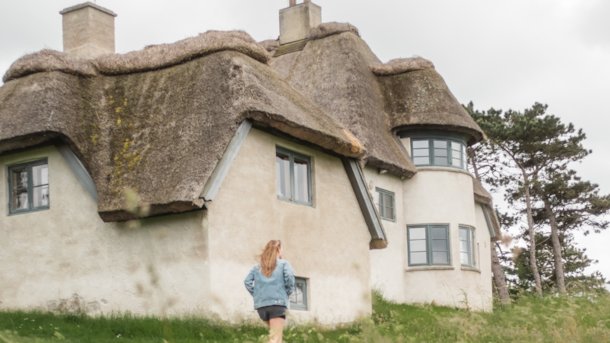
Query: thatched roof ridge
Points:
[335, 73]
[401, 65]
[333, 28]
[165, 55]
[162, 132]
[49, 60]
[151, 58]
[420, 99]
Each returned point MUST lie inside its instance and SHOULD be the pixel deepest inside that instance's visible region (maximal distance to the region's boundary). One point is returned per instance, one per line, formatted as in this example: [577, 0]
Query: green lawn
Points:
[549, 319]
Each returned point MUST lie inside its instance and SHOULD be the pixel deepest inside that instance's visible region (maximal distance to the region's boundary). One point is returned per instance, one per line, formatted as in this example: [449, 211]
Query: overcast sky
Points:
[505, 55]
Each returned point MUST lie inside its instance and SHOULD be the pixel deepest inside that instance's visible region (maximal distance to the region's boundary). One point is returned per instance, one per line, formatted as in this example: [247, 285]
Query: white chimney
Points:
[297, 20]
[88, 30]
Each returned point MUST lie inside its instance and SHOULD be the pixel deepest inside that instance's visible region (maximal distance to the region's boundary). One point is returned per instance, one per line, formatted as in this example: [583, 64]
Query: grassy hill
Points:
[548, 319]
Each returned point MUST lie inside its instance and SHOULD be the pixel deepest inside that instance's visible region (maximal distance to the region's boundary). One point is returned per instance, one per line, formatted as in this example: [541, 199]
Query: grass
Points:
[531, 319]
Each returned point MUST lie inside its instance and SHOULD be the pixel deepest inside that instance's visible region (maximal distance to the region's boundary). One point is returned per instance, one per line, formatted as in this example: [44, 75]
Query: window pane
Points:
[463, 246]
[463, 234]
[420, 152]
[419, 161]
[464, 258]
[420, 144]
[40, 175]
[418, 258]
[441, 161]
[297, 296]
[388, 200]
[389, 212]
[440, 257]
[439, 245]
[440, 144]
[439, 233]
[440, 153]
[20, 200]
[20, 178]
[301, 180]
[417, 233]
[282, 170]
[41, 196]
[456, 146]
[419, 245]
[457, 162]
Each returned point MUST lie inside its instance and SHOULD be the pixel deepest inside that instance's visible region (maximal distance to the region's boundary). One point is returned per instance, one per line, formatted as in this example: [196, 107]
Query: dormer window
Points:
[438, 149]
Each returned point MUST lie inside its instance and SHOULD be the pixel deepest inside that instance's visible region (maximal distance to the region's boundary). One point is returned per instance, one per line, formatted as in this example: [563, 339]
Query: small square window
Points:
[428, 245]
[29, 187]
[298, 299]
[293, 176]
[385, 204]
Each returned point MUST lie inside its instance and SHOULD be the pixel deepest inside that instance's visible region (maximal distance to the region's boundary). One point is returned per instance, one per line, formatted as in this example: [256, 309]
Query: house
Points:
[147, 182]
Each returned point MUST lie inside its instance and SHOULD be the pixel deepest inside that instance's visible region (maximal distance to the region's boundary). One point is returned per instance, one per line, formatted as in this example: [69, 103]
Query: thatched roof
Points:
[333, 70]
[160, 132]
[420, 99]
[482, 196]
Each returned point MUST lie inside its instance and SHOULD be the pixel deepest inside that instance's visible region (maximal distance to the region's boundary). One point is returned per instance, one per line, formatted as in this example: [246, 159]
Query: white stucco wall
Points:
[435, 195]
[388, 265]
[54, 254]
[326, 243]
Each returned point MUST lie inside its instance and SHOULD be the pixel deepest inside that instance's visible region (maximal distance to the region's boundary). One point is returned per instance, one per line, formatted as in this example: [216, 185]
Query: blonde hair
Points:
[269, 257]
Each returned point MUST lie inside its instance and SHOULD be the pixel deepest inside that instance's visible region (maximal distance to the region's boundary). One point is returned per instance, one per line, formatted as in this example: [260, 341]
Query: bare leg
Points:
[267, 323]
[276, 328]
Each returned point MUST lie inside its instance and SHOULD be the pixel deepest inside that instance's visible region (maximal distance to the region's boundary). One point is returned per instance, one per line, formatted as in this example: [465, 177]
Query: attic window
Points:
[438, 152]
[29, 187]
[293, 175]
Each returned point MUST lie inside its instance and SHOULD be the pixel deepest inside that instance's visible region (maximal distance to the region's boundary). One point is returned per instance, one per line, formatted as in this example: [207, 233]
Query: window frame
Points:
[305, 305]
[291, 155]
[381, 202]
[471, 242]
[429, 251]
[432, 156]
[30, 187]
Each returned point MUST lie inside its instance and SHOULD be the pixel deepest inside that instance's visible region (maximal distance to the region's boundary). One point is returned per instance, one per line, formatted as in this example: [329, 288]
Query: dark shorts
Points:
[270, 312]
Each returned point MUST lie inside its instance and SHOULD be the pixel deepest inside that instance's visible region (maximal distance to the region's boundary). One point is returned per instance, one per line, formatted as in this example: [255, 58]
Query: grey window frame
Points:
[471, 253]
[381, 202]
[431, 155]
[291, 154]
[305, 305]
[429, 251]
[30, 187]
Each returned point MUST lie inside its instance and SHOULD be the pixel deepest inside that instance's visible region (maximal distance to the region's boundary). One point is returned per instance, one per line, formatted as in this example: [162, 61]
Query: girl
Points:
[270, 283]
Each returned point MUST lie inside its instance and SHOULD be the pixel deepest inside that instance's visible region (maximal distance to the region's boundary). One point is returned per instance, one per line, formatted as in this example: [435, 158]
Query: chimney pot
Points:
[88, 30]
[297, 20]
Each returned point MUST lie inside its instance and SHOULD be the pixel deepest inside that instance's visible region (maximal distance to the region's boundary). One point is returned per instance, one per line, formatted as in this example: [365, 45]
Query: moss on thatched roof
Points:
[420, 99]
[335, 73]
[160, 132]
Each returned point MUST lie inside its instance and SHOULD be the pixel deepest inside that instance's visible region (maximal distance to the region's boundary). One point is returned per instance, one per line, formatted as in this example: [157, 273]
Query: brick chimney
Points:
[88, 30]
[297, 20]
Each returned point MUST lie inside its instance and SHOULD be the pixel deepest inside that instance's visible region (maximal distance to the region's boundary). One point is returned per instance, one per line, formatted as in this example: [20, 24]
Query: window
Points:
[293, 173]
[438, 152]
[385, 204]
[29, 187]
[298, 299]
[428, 245]
[467, 247]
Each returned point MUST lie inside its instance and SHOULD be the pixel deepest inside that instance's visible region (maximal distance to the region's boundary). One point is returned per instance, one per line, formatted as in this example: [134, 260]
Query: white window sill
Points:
[470, 269]
[428, 268]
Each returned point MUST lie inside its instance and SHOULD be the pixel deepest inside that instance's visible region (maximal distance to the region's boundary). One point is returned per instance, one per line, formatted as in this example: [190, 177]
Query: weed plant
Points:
[575, 318]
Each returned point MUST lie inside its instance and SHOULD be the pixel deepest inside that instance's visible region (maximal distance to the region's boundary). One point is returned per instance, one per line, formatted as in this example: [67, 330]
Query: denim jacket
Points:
[273, 290]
